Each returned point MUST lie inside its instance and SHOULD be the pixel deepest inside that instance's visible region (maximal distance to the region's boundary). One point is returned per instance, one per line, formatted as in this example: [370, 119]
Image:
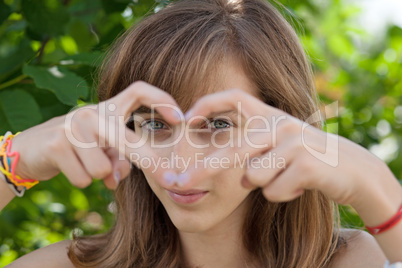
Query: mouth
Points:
[186, 197]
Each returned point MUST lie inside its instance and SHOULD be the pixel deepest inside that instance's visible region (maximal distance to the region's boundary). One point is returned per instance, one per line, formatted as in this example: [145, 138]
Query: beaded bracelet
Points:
[8, 171]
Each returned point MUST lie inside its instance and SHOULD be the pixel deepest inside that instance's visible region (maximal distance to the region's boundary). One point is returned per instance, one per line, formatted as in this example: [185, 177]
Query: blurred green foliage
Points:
[49, 52]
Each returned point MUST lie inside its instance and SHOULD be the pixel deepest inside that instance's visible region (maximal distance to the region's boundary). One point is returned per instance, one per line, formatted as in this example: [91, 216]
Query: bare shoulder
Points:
[361, 250]
[54, 255]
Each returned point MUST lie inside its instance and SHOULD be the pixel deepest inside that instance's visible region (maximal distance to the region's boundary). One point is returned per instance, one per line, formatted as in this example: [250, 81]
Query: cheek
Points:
[152, 182]
[221, 139]
[229, 188]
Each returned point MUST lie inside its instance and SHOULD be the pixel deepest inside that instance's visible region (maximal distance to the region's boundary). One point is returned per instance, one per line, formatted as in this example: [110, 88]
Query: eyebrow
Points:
[145, 110]
[227, 113]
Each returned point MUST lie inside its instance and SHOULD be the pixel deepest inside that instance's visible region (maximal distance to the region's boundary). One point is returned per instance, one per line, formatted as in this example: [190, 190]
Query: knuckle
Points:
[55, 143]
[134, 89]
[136, 86]
[141, 90]
[85, 113]
[289, 127]
[140, 83]
[82, 182]
[269, 194]
[255, 176]
[306, 167]
[100, 173]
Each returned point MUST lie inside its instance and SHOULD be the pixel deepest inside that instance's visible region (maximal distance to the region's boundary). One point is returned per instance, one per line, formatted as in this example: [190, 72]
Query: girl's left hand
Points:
[314, 159]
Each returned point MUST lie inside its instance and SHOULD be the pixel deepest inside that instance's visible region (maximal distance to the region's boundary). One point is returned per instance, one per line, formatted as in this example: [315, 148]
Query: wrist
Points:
[379, 198]
[6, 194]
[17, 184]
[394, 220]
[19, 168]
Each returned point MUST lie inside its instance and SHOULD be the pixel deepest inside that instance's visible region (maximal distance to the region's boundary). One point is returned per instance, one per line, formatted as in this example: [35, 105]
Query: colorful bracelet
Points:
[9, 170]
[18, 191]
[386, 225]
[4, 138]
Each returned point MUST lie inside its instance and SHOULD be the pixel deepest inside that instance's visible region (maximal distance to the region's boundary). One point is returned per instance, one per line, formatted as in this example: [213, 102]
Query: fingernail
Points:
[187, 115]
[178, 115]
[182, 179]
[169, 177]
[116, 176]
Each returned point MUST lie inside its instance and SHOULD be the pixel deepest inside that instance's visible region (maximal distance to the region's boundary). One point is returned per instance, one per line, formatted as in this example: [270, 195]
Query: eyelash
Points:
[221, 120]
[146, 122]
[142, 125]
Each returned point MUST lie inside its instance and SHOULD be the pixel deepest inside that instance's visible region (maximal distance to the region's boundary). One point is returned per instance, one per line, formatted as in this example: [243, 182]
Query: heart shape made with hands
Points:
[144, 94]
[147, 95]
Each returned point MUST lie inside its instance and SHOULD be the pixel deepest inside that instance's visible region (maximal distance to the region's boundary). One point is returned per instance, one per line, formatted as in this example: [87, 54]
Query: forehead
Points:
[227, 75]
[231, 75]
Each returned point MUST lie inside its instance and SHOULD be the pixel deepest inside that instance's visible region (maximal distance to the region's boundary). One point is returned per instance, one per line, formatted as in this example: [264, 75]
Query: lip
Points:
[186, 197]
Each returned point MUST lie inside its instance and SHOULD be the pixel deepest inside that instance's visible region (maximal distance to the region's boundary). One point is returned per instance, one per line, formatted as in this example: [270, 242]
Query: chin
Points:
[190, 228]
[189, 221]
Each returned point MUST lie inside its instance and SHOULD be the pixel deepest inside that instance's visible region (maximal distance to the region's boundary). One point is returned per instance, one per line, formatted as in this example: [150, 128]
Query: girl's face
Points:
[216, 201]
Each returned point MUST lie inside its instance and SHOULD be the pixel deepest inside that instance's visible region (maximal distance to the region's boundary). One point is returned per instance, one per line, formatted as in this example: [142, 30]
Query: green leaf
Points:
[45, 17]
[20, 109]
[84, 37]
[66, 85]
[49, 105]
[85, 11]
[5, 11]
[4, 125]
[111, 6]
[87, 58]
[16, 59]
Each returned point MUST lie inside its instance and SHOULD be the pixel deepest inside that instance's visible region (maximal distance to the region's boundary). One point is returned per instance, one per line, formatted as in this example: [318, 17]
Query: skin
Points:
[209, 229]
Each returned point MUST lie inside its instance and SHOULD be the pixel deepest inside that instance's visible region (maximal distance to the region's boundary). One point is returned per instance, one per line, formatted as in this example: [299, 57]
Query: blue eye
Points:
[153, 125]
[220, 124]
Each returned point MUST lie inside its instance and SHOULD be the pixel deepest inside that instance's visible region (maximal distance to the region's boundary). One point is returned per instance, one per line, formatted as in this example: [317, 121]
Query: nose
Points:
[183, 151]
[189, 148]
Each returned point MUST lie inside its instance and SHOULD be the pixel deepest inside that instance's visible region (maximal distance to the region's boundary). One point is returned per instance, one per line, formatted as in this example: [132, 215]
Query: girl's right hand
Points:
[92, 141]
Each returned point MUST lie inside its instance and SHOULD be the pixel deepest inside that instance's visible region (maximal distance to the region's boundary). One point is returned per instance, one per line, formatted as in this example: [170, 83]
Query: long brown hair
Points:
[178, 49]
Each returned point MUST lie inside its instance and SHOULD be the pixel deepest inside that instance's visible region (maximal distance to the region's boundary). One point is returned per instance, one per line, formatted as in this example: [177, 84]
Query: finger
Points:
[94, 159]
[114, 133]
[71, 166]
[229, 100]
[129, 144]
[141, 93]
[121, 168]
[263, 169]
[288, 185]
